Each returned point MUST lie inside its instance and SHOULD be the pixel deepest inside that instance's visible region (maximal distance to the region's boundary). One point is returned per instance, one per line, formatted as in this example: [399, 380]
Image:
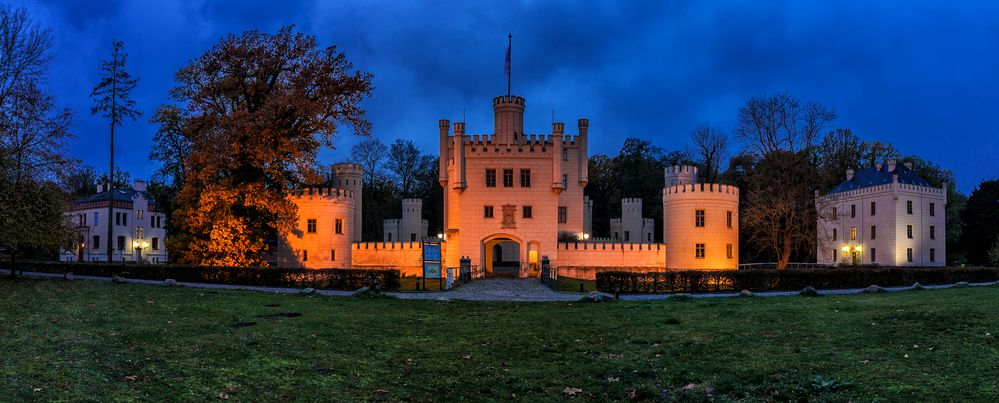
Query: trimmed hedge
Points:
[792, 279]
[335, 279]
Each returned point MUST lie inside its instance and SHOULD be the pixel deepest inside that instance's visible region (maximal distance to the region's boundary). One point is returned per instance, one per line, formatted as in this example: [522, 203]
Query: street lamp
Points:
[440, 236]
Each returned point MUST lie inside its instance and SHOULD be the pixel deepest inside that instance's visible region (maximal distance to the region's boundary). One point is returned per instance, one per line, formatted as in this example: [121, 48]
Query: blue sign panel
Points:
[432, 252]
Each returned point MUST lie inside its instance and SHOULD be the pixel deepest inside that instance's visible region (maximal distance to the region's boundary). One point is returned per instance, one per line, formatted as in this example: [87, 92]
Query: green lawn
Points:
[99, 341]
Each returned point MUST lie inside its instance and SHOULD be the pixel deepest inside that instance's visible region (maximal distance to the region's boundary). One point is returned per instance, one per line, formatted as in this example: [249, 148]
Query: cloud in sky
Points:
[920, 75]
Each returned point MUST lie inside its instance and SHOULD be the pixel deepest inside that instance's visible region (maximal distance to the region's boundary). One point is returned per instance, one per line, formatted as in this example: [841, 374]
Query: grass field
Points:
[101, 341]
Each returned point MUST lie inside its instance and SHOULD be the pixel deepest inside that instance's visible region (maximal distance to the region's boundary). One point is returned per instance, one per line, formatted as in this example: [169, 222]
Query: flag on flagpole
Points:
[506, 68]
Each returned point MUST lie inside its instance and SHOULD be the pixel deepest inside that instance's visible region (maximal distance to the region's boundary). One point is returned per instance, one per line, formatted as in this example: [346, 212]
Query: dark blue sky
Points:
[921, 75]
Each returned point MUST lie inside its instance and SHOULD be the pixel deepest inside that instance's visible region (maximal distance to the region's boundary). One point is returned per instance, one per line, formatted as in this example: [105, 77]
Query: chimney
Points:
[891, 165]
[849, 174]
[139, 186]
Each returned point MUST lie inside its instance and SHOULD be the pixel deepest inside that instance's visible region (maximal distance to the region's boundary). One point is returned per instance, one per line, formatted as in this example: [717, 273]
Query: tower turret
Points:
[349, 176]
[508, 117]
[558, 129]
[584, 157]
[681, 175]
[445, 126]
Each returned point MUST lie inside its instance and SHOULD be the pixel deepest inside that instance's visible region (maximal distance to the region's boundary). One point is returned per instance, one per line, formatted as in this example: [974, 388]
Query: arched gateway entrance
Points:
[501, 256]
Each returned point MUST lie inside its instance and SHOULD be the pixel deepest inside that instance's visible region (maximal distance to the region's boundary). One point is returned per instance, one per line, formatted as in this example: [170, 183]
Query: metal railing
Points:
[790, 265]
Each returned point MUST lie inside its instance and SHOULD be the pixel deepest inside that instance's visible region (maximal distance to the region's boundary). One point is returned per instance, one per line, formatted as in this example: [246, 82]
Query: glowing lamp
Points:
[858, 248]
[846, 248]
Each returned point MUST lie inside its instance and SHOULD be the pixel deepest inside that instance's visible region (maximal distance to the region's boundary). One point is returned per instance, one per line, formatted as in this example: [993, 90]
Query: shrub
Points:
[791, 279]
[336, 279]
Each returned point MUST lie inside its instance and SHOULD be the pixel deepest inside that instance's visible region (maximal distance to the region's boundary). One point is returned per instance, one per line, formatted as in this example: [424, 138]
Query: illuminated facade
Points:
[138, 228]
[884, 215]
[700, 222]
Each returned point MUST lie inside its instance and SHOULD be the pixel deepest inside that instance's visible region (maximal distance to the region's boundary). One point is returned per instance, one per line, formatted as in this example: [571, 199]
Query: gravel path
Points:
[492, 289]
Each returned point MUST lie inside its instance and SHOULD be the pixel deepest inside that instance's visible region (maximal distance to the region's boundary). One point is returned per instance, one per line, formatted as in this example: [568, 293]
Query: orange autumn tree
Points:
[257, 109]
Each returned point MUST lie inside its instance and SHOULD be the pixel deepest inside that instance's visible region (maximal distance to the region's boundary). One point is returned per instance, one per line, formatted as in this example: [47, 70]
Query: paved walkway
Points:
[492, 289]
[497, 289]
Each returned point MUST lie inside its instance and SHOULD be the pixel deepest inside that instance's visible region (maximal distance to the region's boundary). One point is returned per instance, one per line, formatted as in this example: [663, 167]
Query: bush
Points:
[791, 279]
[335, 279]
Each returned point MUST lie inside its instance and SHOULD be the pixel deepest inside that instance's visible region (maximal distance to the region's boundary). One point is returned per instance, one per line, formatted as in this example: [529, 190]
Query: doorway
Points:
[502, 257]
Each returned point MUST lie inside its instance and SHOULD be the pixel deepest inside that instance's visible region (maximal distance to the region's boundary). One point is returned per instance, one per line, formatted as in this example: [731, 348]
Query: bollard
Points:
[417, 284]
[617, 292]
[376, 286]
[580, 285]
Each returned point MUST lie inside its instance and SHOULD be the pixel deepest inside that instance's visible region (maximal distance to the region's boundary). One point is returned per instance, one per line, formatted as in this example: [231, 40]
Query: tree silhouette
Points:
[112, 100]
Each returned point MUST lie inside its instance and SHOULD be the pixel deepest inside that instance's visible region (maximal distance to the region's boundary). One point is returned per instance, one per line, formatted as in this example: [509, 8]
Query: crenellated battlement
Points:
[347, 168]
[619, 246]
[702, 190]
[631, 201]
[386, 245]
[334, 194]
[680, 175]
[681, 169]
[509, 99]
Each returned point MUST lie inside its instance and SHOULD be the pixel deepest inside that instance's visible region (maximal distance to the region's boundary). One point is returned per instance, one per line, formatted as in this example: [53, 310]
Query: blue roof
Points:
[125, 195]
[873, 176]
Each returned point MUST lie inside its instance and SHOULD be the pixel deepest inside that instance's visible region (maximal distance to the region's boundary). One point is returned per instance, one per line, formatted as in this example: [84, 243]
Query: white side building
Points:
[138, 228]
[410, 228]
[632, 227]
[884, 215]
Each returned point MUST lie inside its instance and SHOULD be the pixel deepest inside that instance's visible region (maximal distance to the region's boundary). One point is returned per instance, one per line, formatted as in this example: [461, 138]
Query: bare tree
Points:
[170, 147]
[710, 145]
[33, 137]
[112, 99]
[370, 154]
[25, 51]
[781, 122]
[404, 160]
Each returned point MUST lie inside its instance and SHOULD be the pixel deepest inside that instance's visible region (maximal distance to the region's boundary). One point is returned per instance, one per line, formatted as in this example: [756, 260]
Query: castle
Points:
[512, 199]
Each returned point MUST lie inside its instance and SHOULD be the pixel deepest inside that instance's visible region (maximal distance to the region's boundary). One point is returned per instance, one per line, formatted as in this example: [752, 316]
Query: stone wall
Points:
[407, 257]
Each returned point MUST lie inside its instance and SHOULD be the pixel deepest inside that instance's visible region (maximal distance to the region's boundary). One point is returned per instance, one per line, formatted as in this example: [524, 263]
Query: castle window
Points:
[728, 218]
[97, 242]
[565, 155]
[933, 255]
[908, 206]
[874, 232]
[835, 213]
[338, 226]
[389, 237]
[333, 254]
[117, 218]
[525, 178]
[874, 252]
[121, 242]
[853, 210]
[874, 208]
[908, 231]
[305, 256]
[834, 234]
[650, 237]
[139, 214]
[528, 212]
[933, 232]
[728, 250]
[156, 244]
[627, 236]
[699, 251]
[96, 216]
[139, 233]
[698, 218]
[487, 212]
[853, 233]
[833, 258]
[933, 209]
[562, 215]
[565, 181]
[508, 178]
[311, 226]
[908, 254]
[490, 178]
[412, 237]
[124, 219]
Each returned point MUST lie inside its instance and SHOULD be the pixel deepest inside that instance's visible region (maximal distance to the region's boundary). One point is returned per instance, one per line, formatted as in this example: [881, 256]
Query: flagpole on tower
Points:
[509, 46]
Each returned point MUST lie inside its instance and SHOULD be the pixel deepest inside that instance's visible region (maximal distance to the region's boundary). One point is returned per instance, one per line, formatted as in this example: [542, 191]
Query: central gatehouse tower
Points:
[509, 196]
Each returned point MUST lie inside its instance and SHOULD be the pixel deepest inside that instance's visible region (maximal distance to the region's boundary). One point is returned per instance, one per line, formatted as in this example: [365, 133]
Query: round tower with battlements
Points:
[681, 175]
[701, 225]
[508, 112]
[350, 176]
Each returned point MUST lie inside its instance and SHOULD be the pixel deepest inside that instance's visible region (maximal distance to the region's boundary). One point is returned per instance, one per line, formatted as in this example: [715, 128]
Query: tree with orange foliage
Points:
[258, 107]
